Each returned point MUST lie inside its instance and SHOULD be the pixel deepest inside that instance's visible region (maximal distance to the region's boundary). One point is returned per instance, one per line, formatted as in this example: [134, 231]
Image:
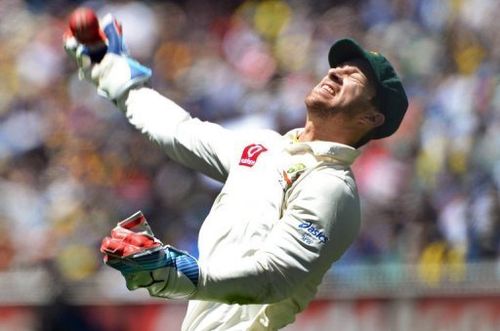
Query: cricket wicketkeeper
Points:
[289, 206]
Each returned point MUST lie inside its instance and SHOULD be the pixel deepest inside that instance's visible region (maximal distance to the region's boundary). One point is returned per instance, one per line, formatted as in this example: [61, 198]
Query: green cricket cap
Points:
[391, 97]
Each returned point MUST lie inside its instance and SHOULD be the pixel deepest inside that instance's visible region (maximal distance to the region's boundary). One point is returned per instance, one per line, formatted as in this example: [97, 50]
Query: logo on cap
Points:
[250, 154]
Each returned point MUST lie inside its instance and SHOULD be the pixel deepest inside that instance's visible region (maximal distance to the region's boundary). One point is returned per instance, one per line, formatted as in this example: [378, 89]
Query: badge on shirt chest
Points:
[289, 176]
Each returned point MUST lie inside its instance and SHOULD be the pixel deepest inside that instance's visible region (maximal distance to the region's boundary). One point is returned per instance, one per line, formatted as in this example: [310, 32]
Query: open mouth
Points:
[328, 89]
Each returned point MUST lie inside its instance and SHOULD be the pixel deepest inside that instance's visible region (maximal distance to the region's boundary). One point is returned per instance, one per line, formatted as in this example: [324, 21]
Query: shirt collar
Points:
[323, 150]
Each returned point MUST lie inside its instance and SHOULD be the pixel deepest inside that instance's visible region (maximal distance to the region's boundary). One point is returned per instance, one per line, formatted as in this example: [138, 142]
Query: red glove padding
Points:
[129, 237]
[124, 242]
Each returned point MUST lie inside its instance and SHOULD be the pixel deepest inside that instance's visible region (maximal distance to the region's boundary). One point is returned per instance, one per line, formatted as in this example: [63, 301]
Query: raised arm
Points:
[203, 146]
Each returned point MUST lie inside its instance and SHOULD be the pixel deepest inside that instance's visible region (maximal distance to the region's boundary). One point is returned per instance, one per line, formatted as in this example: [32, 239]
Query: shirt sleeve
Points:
[321, 220]
[202, 146]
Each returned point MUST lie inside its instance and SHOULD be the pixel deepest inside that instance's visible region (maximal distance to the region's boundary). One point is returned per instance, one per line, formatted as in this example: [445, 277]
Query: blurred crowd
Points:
[71, 166]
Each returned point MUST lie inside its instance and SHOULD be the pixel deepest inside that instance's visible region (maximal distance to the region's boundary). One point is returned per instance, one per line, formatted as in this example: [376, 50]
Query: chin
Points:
[318, 103]
[317, 107]
[313, 102]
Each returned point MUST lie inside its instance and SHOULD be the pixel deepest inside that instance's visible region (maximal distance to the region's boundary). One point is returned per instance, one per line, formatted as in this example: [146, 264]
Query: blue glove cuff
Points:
[162, 257]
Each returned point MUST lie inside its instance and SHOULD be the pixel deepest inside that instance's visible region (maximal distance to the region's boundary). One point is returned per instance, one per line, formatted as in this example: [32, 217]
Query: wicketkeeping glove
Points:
[109, 67]
[145, 262]
[84, 56]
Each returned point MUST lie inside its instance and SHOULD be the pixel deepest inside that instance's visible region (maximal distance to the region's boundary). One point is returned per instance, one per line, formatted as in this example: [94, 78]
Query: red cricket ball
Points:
[84, 25]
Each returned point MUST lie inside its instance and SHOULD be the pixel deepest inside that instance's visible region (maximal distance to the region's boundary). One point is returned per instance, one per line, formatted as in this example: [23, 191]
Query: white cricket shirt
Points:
[286, 212]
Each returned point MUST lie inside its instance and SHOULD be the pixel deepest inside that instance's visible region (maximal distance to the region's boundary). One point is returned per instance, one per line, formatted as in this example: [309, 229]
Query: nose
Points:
[335, 75]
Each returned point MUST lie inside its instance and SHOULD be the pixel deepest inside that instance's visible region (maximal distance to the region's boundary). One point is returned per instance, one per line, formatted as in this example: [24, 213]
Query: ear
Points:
[378, 119]
[373, 119]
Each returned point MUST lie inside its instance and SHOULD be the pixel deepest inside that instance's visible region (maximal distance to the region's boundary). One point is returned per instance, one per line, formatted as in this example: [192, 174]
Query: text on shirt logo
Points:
[250, 154]
[313, 231]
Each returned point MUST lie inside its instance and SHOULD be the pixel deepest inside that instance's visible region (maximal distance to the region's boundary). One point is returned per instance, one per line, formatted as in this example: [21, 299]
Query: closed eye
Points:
[357, 78]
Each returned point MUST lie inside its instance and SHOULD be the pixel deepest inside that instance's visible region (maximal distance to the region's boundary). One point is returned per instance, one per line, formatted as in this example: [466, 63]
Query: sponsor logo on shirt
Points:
[312, 232]
[250, 154]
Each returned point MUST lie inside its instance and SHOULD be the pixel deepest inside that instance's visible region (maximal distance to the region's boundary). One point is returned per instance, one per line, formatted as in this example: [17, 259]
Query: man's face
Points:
[346, 88]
